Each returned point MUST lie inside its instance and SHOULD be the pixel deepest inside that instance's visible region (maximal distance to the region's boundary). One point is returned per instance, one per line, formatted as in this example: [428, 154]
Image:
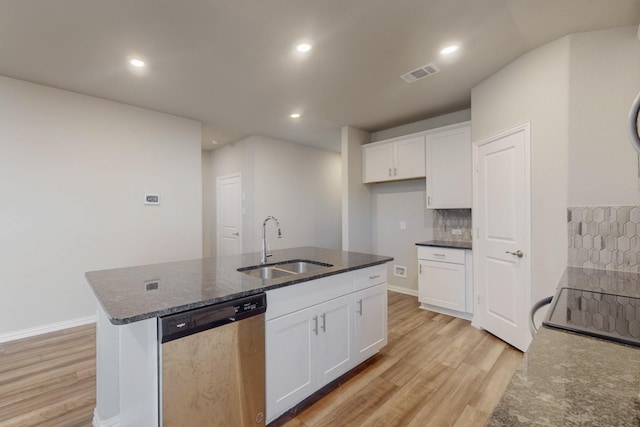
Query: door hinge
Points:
[478, 299]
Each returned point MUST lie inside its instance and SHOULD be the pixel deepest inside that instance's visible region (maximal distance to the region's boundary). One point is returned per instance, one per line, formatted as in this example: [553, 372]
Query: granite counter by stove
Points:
[137, 293]
[446, 244]
[567, 379]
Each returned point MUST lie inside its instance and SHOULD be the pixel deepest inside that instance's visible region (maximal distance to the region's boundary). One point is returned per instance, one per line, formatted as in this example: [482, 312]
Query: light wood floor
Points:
[435, 371]
[49, 380]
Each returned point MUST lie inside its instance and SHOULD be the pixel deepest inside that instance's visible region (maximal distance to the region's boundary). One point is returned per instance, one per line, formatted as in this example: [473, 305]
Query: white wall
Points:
[73, 173]
[356, 196]
[605, 78]
[535, 88]
[392, 203]
[298, 184]
[423, 125]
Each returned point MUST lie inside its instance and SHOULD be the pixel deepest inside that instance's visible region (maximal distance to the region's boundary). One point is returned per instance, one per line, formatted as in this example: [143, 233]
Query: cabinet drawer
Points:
[432, 253]
[371, 276]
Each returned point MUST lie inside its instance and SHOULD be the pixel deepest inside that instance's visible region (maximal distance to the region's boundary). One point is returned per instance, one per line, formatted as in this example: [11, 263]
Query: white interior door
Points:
[229, 215]
[502, 221]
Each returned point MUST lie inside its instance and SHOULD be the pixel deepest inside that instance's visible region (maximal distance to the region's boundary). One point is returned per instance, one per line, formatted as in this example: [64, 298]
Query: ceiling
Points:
[231, 63]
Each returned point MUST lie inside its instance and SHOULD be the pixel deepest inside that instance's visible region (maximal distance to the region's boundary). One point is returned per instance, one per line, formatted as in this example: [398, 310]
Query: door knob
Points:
[517, 253]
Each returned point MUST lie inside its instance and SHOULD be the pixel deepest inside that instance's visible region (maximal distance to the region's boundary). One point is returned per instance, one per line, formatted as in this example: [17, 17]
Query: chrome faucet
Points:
[264, 254]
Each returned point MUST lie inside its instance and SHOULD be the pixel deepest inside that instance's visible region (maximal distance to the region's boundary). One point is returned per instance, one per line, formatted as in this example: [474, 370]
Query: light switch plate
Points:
[151, 199]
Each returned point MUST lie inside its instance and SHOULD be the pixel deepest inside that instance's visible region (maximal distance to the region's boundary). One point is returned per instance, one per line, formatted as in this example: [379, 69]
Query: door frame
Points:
[219, 179]
[478, 246]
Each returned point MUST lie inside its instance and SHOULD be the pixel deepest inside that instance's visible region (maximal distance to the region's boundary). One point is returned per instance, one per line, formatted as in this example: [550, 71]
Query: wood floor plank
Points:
[315, 412]
[359, 406]
[49, 380]
[448, 402]
[404, 405]
[496, 380]
[471, 417]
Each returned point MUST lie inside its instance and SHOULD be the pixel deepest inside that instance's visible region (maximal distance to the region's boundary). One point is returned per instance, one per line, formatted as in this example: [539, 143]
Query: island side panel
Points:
[107, 411]
[139, 374]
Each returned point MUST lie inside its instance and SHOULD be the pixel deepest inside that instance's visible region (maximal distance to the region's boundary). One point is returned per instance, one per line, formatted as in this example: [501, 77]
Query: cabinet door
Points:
[371, 321]
[442, 284]
[378, 163]
[448, 155]
[291, 360]
[409, 158]
[335, 332]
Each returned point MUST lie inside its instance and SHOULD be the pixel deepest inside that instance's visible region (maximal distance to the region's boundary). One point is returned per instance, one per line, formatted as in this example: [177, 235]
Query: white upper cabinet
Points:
[449, 178]
[400, 158]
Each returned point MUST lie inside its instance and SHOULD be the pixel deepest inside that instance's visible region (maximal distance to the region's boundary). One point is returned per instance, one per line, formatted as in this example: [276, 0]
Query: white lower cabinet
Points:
[444, 284]
[371, 321]
[445, 281]
[317, 331]
[291, 374]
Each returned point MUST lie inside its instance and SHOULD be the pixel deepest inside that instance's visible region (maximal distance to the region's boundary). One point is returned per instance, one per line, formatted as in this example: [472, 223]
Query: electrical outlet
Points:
[456, 232]
[151, 285]
[400, 271]
[403, 225]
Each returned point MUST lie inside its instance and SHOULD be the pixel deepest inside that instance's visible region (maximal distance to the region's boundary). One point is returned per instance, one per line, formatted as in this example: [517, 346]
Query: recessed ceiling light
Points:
[449, 49]
[136, 62]
[295, 115]
[303, 47]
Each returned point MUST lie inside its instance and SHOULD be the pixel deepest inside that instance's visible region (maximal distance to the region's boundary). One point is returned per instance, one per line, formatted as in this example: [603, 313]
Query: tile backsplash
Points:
[605, 237]
[447, 220]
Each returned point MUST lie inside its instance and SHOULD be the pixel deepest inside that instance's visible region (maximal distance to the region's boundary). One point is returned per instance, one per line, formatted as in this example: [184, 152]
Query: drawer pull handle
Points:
[360, 310]
[324, 322]
[442, 255]
[315, 319]
[374, 276]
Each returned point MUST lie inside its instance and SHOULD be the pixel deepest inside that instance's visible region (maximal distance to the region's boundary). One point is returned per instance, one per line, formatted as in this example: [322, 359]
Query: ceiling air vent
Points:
[420, 73]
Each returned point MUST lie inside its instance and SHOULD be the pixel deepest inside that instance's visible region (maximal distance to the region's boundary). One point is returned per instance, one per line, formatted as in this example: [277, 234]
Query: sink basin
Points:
[283, 269]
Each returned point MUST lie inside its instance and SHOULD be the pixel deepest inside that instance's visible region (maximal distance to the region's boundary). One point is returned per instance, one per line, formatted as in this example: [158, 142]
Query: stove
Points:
[598, 314]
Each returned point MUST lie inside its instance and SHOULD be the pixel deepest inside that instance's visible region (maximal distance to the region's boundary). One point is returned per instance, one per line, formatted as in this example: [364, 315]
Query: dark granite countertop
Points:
[568, 379]
[446, 244]
[185, 285]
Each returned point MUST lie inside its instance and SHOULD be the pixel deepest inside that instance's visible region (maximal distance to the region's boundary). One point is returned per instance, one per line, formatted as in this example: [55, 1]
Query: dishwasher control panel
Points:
[190, 322]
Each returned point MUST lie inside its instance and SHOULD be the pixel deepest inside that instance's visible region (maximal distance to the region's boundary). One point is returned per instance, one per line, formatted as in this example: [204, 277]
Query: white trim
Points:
[401, 290]
[111, 422]
[448, 312]
[52, 327]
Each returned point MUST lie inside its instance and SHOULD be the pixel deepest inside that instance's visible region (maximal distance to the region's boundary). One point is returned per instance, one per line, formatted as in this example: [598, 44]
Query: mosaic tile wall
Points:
[445, 220]
[605, 237]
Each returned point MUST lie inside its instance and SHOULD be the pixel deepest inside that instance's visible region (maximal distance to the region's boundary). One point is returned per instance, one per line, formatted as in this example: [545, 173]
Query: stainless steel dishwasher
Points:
[212, 366]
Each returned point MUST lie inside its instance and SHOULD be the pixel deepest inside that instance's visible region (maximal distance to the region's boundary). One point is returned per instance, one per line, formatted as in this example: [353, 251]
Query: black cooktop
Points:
[598, 314]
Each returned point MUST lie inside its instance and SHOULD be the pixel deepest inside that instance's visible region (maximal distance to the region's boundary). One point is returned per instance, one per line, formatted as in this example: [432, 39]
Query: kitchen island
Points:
[569, 379]
[131, 301]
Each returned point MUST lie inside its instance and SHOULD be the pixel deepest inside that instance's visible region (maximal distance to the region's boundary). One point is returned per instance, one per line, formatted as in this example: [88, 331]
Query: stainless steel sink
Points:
[283, 269]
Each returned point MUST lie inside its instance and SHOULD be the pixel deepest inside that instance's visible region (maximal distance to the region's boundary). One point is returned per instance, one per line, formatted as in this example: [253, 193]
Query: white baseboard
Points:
[111, 422]
[412, 292]
[52, 327]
